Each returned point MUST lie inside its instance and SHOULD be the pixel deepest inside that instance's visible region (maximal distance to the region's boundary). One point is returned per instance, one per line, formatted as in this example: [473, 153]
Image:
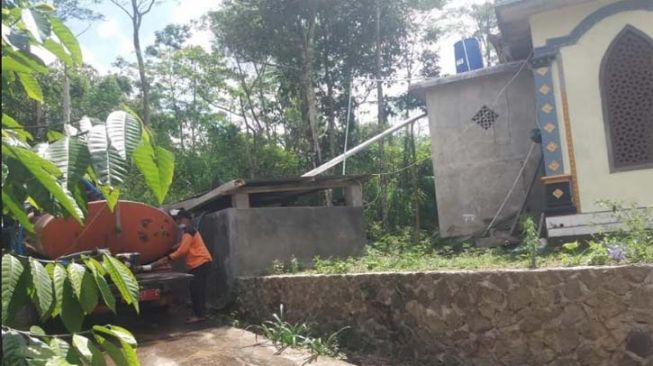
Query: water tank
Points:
[131, 227]
[468, 55]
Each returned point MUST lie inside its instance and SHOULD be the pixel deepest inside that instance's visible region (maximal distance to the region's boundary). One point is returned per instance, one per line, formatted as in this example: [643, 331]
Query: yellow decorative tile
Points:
[554, 165]
[542, 70]
[547, 108]
[558, 193]
[549, 127]
[552, 146]
[545, 89]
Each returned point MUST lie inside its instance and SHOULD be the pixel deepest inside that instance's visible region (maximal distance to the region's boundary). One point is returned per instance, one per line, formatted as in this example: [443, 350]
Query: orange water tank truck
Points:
[133, 229]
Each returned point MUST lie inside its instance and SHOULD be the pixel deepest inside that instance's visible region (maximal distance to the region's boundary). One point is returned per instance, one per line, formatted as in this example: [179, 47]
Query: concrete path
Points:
[165, 340]
[222, 346]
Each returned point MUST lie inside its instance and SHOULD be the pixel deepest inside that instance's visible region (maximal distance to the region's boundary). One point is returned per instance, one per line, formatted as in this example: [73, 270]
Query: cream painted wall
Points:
[581, 64]
[560, 22]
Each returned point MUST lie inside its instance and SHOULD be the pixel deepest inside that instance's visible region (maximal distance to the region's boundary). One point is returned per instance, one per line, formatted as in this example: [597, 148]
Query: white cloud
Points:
[202, 38]
[109, 29]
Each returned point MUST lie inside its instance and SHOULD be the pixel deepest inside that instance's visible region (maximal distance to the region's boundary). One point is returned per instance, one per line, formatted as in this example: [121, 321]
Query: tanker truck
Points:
[134, 232]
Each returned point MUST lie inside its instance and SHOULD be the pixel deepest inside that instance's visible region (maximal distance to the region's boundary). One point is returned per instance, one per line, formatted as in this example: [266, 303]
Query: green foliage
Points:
[67, 292]
[293, 266]
[284, 334]
[531, 240]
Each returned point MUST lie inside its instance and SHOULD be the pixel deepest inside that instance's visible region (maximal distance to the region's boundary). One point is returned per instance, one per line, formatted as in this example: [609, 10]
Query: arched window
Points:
[627, 92]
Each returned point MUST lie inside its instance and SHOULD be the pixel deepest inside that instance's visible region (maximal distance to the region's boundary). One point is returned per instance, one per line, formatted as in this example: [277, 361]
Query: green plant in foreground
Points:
[531, 240]
[284, 334]
[69, 293]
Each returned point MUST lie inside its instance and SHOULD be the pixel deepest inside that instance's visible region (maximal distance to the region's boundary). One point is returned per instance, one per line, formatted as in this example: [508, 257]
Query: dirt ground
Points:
[165, 340]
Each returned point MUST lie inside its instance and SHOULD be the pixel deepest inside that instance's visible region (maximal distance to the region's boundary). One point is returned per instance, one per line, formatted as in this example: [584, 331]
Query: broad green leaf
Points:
[121, 334]
[34, 63]
[111, 349]
[82, 343]
[19, 298]
[571, 246]
[12, 269]
[45, 173]
[76, 275]
[43, 296]
[123, 279]
[89, 296]
[35, 329]
[36, 23]
[157, 166]
[11, 64]
[72, 315]
[57, 50]
[110, 168]
[9, 122]
[124, 133]
[71, 157]
[45, 7]
[130, 354]
[54, 135]
[31, 86]
[111, 194]
[58, 279]
[15, 210]
[67, 38]
[57, 361]
[13, 346]
[101, 282]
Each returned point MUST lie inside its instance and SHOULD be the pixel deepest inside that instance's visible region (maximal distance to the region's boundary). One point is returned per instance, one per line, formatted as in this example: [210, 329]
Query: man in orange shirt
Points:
[198, 260]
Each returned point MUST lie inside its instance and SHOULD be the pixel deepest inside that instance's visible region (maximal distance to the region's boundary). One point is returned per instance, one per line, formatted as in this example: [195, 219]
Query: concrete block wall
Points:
[573, 316]
[475, 167]
[245, 242]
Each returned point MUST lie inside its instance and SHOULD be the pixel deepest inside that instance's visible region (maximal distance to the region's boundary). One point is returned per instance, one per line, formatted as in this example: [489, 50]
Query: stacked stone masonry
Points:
[575, 316]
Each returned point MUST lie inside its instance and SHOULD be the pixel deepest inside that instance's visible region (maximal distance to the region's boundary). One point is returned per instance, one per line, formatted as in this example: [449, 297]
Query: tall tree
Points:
[136, 10]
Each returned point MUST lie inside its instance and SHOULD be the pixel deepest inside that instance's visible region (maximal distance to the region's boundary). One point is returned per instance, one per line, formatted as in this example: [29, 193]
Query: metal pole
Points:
[333, 162]
[344, 161]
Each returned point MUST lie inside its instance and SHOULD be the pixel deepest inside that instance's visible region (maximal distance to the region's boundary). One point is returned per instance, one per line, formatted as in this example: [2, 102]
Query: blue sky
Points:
[105, 40]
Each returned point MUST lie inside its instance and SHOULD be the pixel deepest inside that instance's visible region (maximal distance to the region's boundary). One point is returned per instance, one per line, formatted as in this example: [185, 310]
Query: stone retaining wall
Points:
[576, 316]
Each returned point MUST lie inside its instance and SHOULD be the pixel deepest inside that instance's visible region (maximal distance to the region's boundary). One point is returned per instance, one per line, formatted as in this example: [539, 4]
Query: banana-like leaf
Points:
[42, 296]
[123, 279]
[67, 38]
[71, 157]
[157, 166]
[70, 130]
[85, 124]
[46, 173]
[12, 269]
[110, 168]
[124, 133]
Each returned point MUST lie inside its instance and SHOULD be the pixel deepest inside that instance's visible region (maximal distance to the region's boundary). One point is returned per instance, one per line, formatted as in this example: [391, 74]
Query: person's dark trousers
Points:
[198, 288]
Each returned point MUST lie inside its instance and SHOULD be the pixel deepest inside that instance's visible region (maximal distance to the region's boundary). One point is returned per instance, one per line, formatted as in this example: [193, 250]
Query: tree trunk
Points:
[381, 119]
[66, 96]
[136, 23]
[307, 83]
